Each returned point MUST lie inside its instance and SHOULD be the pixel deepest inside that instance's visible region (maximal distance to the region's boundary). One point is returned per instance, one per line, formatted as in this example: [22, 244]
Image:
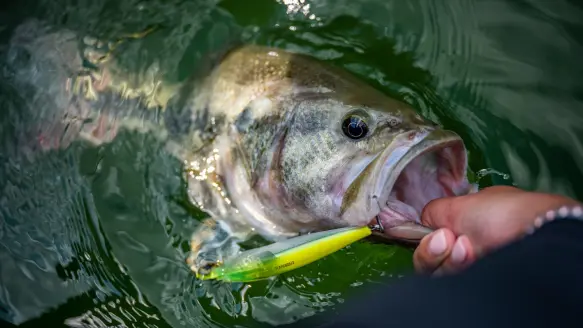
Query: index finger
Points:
[447, 212]
[442, 212]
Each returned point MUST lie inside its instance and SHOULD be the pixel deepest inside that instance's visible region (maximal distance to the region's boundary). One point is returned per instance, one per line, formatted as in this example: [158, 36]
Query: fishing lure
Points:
[274, 259]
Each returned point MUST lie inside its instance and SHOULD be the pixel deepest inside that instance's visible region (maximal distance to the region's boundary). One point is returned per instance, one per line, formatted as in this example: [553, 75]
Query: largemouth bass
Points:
[274, 143]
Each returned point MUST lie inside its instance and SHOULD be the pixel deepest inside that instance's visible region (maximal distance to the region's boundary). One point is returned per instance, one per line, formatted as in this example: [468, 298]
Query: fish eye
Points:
[354, 126]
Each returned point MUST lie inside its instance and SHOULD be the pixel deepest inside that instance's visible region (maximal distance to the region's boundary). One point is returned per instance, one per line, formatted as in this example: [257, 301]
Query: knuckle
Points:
[451, 213]
[428, 212]
[439, 212]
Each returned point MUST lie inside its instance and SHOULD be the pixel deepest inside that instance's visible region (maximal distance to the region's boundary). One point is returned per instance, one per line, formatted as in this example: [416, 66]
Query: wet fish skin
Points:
[261, 136]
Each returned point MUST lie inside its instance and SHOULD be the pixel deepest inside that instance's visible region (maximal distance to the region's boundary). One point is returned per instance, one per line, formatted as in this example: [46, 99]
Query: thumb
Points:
[442, 213]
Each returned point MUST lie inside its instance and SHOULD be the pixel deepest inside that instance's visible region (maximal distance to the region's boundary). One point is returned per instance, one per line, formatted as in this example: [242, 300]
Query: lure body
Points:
[271, 260]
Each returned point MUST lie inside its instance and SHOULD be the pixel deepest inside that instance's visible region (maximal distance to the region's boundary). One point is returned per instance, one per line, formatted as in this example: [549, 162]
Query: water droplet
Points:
[484, 172]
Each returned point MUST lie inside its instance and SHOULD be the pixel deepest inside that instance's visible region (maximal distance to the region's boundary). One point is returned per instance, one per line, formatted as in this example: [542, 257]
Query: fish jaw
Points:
[392, 190]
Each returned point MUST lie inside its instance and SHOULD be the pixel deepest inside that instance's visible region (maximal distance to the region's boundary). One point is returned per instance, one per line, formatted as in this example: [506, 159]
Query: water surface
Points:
[98, 235]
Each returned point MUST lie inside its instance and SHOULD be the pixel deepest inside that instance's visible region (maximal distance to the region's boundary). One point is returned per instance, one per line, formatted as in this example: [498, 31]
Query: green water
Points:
[100, 233]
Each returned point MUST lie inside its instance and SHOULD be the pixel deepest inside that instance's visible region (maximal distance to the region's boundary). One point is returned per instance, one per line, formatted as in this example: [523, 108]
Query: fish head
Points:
[311, 147]
[345, 160]
[371, 162]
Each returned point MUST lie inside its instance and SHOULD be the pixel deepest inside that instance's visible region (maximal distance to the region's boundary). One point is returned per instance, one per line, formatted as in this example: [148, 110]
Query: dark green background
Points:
[105, 229]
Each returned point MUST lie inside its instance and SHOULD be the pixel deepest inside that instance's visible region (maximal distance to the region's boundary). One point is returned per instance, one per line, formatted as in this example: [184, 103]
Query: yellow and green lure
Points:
[271, 260]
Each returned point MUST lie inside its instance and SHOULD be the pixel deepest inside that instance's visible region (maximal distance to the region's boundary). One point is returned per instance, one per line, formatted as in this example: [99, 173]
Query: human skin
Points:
[471, 226]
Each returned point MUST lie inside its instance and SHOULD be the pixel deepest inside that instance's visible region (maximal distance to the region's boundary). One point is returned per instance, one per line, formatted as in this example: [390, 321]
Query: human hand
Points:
[472, 225]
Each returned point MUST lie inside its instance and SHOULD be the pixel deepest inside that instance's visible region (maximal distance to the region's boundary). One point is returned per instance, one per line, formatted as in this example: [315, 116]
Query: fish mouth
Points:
[424, 166]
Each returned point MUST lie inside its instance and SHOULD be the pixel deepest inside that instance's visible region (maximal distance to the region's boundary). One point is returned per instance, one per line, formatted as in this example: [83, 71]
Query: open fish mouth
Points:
[424, 166]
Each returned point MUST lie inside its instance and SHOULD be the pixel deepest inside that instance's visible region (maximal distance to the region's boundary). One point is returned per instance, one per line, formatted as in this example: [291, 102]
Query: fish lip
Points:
[386, 175]
[389, 166]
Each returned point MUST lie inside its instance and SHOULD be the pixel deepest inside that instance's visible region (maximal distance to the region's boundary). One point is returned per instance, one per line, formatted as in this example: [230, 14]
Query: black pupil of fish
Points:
[354, 127]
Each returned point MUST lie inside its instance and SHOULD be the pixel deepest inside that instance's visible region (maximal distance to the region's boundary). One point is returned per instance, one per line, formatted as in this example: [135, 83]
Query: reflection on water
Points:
[97, 235]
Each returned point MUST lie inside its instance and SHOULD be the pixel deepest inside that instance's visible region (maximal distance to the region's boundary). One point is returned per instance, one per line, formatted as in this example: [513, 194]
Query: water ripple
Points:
[98, 235]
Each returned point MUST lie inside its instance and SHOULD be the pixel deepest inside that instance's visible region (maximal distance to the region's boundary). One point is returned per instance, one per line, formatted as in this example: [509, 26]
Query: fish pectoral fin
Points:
[213, 242]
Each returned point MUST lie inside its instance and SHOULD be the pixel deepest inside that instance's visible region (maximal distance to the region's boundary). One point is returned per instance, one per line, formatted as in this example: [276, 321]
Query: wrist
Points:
[569, 211]
[529, 211]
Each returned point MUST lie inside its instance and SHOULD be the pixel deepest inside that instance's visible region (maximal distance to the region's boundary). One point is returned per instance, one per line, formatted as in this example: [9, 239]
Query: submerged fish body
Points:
[279, 144]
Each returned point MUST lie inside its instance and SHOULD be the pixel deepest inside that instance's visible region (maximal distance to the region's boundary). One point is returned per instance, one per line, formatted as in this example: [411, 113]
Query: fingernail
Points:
[438, 244]
[458, 253]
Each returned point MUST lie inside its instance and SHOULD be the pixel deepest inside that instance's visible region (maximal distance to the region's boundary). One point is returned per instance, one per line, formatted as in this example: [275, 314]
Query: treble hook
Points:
[378, 226]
